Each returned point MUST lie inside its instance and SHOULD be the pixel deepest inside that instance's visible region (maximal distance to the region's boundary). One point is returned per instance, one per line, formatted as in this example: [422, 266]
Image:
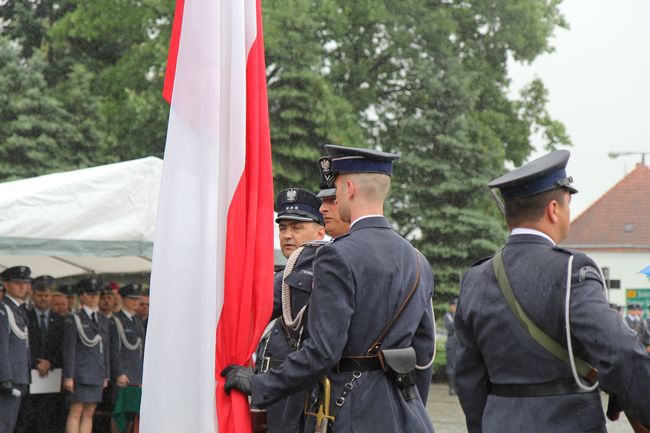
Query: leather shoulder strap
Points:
[377, 344]
[552, 346]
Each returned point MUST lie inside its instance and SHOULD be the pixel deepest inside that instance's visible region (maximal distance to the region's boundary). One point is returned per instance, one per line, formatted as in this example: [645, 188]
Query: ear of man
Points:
[372, 187]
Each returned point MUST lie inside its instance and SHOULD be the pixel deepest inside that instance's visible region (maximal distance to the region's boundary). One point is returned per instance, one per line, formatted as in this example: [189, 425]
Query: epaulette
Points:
[562, 250]
[479, 261]
[341, 237]
[315, 244]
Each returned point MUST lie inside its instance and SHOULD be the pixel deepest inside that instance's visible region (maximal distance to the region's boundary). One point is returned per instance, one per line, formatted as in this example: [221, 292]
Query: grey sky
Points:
[599, 85]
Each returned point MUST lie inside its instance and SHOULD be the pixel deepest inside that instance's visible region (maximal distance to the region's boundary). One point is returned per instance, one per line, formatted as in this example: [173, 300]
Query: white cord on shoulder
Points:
[88, 342]
[567, 309]
[293, 323]
[21, 334]
[433, 317]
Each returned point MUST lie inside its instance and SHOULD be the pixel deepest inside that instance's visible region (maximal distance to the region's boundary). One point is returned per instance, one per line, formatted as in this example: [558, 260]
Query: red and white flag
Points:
[212, 272]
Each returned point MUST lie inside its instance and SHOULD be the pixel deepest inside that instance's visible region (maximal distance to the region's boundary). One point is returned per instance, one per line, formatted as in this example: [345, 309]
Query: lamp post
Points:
[615, 155]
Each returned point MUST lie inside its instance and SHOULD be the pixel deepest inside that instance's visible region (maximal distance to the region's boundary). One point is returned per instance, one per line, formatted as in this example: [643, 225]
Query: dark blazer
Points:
[493, 347]
[86, 365]
[124, 360]
[360, 280]
[14, 352]
[49, 346]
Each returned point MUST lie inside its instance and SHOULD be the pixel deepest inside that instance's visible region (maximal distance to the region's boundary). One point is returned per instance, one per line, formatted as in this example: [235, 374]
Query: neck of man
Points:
[362, 209]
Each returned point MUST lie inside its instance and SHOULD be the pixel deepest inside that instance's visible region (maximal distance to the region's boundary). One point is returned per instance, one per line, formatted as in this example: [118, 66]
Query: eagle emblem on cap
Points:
[292, 195]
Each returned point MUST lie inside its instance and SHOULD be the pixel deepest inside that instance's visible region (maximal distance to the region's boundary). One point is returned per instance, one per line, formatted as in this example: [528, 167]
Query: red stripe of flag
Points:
[170, 70]
[248, 292]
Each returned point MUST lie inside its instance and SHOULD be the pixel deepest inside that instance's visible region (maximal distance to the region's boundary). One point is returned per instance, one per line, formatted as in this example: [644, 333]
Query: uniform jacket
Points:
[48, 346]
[360, 280]
[14, 352]
[86, 365]
[493, 347]
[286, 415]
[124, 360]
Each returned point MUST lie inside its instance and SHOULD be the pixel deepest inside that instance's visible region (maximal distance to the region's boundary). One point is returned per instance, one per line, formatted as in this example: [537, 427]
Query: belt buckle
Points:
[266, 363]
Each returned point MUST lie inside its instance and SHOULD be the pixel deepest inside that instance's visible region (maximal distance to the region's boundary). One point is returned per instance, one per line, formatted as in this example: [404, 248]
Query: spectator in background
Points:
[450, 344]
[43, 413]
[143, 309]
[59, 304]
[85, 358]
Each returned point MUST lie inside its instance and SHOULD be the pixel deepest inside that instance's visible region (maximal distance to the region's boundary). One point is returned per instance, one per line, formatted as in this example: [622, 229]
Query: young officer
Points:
[85, 358]
[14, 345]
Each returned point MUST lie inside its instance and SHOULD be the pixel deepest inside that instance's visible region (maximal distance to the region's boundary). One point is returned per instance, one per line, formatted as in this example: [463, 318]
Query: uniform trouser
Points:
[41, 413]
[9, 407]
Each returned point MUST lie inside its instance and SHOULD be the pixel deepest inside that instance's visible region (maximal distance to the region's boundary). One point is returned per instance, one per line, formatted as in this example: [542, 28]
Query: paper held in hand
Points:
[49, 384]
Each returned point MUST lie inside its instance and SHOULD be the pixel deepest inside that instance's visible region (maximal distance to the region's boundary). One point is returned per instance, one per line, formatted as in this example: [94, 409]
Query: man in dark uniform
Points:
[634, 320]
[334, 224]
[362, 281]
[300, 225]
[509, 373]
[14, 345]
[43, 413]
[127, 342]
[450, 344]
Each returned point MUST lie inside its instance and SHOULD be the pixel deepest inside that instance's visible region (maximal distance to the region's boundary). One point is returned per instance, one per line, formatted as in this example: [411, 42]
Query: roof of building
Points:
[619, 220]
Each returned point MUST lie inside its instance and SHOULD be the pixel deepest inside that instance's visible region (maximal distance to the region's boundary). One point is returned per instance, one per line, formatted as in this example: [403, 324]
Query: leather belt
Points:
[358, 363]
[269, 363]
[556, 387]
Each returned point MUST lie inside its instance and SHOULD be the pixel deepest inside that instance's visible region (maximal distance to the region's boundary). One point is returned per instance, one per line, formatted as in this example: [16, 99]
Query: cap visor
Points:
[294, 218]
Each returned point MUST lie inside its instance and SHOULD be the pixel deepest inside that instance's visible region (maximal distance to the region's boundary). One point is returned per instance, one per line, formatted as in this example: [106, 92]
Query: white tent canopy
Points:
[94, 220]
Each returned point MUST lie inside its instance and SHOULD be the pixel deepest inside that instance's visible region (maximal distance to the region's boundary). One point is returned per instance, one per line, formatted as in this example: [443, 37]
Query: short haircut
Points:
[372, 186]
[530, 209]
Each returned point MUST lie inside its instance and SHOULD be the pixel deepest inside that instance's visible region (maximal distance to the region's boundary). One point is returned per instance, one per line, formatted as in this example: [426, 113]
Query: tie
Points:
[92, 316]
[43, 325]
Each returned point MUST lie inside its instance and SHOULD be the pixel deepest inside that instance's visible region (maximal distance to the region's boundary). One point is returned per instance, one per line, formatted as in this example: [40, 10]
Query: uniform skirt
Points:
[85, 394]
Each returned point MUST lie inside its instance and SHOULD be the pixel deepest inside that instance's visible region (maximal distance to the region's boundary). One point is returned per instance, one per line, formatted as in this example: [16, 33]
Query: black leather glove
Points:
[237, 377]
[6, 387]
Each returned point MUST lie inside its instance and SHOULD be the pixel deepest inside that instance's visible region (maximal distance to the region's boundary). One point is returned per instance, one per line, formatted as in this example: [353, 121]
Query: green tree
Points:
[37, 134]
[305, 111]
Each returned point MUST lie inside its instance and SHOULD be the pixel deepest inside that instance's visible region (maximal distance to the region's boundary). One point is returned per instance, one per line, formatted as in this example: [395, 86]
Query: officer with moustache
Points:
[536, 335]
[301, 232]
[370, 310]
[14, 345]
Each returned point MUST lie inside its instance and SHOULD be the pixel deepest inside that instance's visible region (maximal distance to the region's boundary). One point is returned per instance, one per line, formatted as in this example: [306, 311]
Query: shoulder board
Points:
[341, 237]
[315, 244]
[479, 261]
[562, 250]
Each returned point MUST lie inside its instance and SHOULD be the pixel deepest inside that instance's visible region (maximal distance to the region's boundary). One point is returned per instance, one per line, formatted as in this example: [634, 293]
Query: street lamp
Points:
[615, 155]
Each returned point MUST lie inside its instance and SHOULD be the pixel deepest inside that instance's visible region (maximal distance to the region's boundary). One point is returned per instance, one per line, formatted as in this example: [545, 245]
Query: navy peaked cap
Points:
[42, 282]
[89, 285]
[299, 205]
[131, 291]
[17, 273]
[359, 160]
[540, 175]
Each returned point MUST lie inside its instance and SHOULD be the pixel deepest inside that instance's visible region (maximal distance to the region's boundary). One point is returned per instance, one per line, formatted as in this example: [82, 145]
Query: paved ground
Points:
[447, 416]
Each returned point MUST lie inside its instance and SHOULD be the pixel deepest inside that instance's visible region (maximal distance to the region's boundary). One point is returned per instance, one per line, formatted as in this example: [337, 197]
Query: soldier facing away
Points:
[509, 376]
[362, 281]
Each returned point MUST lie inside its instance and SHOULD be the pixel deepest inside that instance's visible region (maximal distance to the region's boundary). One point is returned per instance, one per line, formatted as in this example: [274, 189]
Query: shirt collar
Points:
[364, 217]
[39, 312]
[17, 302]
[529, 231]
[127, 314]
[90, 311]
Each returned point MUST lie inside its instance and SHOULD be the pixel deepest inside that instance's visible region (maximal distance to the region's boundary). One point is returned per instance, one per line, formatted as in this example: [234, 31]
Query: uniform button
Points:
[299, 284]
[276, 331]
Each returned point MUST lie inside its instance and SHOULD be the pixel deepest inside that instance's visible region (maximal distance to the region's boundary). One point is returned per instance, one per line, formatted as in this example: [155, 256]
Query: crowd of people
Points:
[65, 349]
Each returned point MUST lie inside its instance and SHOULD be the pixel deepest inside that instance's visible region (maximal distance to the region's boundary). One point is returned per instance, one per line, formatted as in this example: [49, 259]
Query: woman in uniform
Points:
[85, 358]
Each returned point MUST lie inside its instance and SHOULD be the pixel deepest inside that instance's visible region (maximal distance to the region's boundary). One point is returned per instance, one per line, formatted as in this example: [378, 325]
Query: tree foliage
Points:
[81, 83]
